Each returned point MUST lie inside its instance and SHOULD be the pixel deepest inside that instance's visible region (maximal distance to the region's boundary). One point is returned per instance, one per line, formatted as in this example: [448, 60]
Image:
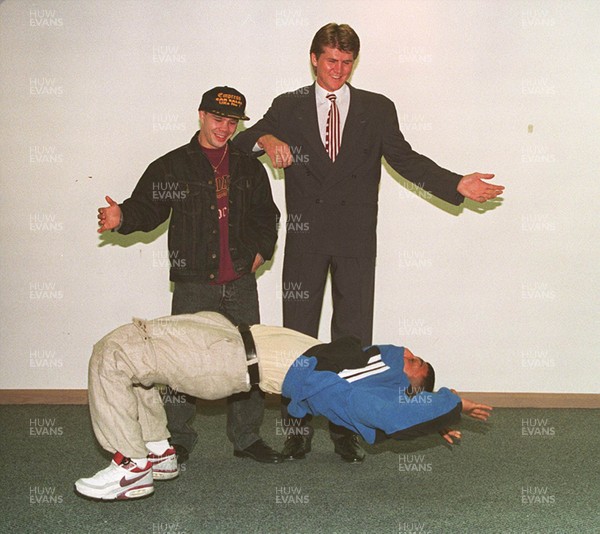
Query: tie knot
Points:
[331, 97]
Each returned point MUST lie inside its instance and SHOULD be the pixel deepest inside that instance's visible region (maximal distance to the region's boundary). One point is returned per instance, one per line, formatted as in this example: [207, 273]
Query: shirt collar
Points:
[321, 94]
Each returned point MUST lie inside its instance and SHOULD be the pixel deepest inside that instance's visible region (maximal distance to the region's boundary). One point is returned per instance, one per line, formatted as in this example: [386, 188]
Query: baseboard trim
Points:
[498, 400]
[43, 396]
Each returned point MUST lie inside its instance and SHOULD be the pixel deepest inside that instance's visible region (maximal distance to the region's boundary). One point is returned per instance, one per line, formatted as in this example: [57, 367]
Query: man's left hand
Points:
[450, 435]
[472, 186]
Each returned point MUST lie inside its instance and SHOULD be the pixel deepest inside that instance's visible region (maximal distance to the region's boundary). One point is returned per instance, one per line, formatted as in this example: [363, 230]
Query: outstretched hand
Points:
[473, 186]
[109, 218]
[476, 410]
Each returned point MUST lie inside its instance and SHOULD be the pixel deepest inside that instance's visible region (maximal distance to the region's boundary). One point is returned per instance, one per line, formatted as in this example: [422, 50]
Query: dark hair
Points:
[429, 380]
[427, 384]
[340, 36]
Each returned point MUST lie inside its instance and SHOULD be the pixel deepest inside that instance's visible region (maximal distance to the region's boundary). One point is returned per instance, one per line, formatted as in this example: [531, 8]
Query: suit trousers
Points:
[238, 301]
[352, 292]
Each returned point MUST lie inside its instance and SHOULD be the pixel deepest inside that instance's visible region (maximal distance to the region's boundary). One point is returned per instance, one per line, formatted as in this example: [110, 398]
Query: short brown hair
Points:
[340, 36]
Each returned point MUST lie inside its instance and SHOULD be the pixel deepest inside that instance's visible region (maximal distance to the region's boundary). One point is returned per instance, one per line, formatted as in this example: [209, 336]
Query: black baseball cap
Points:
[224, 101]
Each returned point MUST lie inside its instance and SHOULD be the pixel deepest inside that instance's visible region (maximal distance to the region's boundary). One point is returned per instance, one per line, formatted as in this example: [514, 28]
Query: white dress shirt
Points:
[342, 100]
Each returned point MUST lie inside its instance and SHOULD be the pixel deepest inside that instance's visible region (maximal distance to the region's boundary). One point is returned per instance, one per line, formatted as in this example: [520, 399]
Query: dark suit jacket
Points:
[332, 207]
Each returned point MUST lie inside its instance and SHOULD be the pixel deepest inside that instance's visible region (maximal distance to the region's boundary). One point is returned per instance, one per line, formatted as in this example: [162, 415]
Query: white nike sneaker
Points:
[122, 479]
[164, 467]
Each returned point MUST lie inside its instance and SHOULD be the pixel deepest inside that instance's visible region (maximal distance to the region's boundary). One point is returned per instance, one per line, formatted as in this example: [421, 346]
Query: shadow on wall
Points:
[120, 240]
[135, 238]
[413, 189]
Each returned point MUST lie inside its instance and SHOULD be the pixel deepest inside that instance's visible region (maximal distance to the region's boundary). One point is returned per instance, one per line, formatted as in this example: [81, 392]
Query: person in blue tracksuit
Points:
[382, 392]
[379, 392]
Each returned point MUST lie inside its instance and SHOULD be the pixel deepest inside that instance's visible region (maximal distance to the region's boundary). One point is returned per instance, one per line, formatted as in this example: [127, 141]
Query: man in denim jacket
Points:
[223, 227]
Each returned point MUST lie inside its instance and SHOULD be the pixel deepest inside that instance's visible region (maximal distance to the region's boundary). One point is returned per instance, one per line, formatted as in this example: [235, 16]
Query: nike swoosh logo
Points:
[128, 481]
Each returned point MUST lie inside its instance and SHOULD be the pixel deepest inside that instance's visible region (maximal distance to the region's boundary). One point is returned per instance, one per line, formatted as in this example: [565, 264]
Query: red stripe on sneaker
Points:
[128, 481]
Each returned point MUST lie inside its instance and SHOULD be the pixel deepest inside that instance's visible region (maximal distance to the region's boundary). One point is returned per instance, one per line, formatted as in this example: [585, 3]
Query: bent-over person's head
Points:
[420, 373]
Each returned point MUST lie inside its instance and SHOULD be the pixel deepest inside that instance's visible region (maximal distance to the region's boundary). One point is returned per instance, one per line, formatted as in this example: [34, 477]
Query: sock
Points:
[140, 462]
[158, 447]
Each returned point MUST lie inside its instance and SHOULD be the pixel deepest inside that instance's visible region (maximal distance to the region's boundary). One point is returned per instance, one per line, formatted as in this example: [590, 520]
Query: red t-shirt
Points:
[220, 162]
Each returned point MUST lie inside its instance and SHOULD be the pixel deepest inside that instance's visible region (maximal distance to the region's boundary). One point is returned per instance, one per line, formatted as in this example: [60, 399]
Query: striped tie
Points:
[332, 132]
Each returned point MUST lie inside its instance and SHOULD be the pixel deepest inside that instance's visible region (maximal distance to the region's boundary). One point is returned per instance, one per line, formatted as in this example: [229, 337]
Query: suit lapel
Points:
[354, 130]
[306, 116]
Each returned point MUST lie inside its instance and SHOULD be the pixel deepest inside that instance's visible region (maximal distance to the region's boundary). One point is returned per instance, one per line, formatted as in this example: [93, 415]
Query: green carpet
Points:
[525, 471]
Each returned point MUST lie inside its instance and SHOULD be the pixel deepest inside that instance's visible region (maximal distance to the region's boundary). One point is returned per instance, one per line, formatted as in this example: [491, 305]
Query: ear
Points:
[313, 59]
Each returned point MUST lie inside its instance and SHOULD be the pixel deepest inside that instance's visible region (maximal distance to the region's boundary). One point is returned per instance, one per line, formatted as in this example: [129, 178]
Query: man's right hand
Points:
[109, 218]
[277, 150]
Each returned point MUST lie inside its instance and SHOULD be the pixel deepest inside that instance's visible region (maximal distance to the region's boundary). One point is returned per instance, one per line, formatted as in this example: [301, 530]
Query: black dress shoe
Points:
[260, 452]
[182, 453]
[296, 447]
[349, 449]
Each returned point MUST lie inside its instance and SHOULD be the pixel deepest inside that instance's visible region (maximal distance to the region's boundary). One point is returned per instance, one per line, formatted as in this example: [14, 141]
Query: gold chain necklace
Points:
[221, 160]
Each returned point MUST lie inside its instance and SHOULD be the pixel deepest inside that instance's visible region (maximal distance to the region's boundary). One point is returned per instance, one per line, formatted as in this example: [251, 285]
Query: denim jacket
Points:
[181, 184]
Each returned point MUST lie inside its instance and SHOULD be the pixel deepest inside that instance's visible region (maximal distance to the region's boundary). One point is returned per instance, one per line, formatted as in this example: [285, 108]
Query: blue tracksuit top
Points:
[370, 399]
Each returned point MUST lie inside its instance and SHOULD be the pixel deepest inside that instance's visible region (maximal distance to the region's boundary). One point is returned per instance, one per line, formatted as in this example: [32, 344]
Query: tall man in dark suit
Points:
[330, 138]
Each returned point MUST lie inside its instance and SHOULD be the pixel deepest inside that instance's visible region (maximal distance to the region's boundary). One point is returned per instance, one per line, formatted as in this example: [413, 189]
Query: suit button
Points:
[210, 182]
[213, 255]
[212, 276]
[319, 201]
[212, 207]
[214, 232]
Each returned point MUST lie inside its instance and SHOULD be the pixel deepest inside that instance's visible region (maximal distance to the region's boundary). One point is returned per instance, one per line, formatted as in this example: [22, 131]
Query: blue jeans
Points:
[238, 301]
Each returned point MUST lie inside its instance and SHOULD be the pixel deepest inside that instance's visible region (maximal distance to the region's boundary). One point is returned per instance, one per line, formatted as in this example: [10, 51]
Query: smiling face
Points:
[215, 130]
[333, 67]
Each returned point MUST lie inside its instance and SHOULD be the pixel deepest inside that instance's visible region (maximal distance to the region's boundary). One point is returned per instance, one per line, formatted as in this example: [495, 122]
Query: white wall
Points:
[502, 299]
